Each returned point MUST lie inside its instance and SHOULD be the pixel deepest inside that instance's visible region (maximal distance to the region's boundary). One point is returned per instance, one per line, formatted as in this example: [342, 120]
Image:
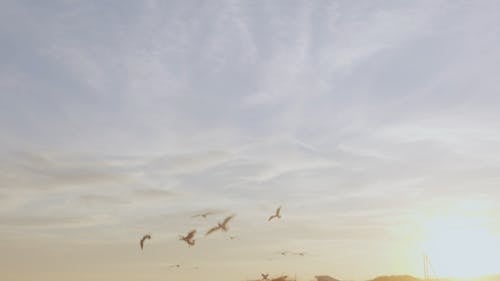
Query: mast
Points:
[426, 267]
[429, 271]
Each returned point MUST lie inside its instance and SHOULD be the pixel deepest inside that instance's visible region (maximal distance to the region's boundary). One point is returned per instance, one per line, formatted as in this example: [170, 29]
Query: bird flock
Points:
[222, 226]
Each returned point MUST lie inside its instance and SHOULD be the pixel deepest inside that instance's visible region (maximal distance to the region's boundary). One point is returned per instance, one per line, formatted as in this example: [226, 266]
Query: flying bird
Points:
[220, 226]
[147, 236]
[204, 215]
[277, 214]
[232, 237]
[175, 265]
[264, 276]
[300, 254]
[189, 238]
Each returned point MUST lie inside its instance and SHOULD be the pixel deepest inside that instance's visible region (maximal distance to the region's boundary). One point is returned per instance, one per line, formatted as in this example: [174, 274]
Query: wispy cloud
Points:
[45, 222]
[154, 193]
[92, 199]
[119, 119]
[41, 171]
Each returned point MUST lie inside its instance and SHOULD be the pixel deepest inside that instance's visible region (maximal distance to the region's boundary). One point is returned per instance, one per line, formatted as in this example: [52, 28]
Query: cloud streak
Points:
[118, 119]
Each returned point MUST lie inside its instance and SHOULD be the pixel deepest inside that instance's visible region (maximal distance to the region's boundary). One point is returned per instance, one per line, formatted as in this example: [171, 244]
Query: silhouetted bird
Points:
[220, 226]
[277, 214]
[147, 236]
[188, 238]
[264, 276]
[175, 265]
[232, 237]
[300, 253]
[204, 215]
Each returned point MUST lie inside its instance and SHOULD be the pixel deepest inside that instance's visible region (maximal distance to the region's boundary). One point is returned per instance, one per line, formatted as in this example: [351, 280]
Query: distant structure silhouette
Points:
[396, 278]
[429, 272]
[281, 278]
[324, 278]
[147, 236]
[277, 214]
[188, 238]
[220, 226]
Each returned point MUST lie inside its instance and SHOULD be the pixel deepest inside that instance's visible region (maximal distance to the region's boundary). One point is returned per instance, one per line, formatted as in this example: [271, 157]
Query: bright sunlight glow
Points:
[462, 244]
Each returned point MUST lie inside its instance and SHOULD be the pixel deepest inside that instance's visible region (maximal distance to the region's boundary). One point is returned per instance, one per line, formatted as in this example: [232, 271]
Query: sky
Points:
[374, 124]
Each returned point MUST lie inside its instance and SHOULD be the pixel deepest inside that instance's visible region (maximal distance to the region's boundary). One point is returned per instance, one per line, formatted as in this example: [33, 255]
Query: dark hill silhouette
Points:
[411, 278]
[325, 278]
[281, 278]
[396, 278]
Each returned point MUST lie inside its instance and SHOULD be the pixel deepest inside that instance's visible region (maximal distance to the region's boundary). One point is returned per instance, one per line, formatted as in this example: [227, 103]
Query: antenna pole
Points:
[426, 268]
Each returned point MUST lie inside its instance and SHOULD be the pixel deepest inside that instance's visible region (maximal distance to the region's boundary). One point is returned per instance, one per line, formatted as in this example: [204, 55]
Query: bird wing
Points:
[226, 220]
[271, 217]
[191, 234]
[147, 236]
[212, 230]
[278, 211]
[143, 239]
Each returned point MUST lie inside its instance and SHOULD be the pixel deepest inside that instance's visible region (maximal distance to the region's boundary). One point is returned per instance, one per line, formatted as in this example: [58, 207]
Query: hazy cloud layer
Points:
[359, 118]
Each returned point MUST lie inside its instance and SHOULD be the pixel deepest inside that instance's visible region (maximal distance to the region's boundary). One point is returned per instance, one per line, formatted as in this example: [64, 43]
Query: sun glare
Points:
[461, 245]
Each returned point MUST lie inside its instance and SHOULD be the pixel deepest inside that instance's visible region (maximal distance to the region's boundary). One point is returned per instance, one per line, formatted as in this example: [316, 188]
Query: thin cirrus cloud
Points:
[45, 221]
[42, 171]
[92, 199]
[134, 115]
[154, 193]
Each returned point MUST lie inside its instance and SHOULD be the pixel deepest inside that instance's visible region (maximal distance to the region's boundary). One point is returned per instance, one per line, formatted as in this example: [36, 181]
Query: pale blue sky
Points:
[364, 119]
